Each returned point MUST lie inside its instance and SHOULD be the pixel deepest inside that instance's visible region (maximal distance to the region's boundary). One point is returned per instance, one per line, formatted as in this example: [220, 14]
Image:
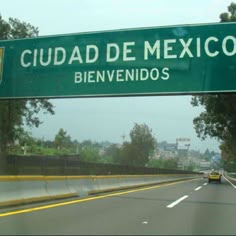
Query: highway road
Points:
[189, 207]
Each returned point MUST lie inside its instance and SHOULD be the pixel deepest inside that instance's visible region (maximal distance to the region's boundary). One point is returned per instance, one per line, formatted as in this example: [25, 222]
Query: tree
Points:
[14, 114]
[219, 118]
[62, 139]
[112, 154]
[90, 154]
[142, 145]
[231, 16]
[127, 155]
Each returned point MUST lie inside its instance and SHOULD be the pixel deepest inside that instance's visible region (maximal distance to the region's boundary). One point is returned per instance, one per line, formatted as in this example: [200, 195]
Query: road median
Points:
[17, 190]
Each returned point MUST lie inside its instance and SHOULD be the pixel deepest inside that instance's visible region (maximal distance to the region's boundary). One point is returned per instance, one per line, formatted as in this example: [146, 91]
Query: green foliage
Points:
[90, 154]
[229, 166]
[29, 146]
[142, 145]
[15, 29]
[127, 154]
[15, 113]
[229, 16]
[219, 118]
[62, 139]
[111, 154]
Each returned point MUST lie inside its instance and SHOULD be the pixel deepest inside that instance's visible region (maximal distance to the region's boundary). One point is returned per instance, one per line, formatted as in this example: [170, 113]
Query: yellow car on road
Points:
[214, 176]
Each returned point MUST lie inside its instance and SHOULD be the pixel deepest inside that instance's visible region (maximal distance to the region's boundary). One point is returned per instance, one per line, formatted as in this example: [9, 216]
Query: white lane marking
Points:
[229, 182]
[196, 189]
[205, 184]
[145, 222]
[177, 201]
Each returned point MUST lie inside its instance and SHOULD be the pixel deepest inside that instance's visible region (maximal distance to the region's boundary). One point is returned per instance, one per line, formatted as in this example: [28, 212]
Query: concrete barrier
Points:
[22, 189]
[27, 189]
[81, 184]
[57, 187]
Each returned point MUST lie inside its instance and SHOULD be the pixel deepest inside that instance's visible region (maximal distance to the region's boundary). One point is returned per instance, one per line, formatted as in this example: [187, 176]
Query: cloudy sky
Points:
[108, 119]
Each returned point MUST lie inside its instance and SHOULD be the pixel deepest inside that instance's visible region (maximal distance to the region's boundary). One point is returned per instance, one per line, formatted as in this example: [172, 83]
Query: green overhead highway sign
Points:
[184, 59]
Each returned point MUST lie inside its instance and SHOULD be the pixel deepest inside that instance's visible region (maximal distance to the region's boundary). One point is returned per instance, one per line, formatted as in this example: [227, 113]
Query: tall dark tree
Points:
[219, 118]
[229, 16]
[142, 145]
[16, 113]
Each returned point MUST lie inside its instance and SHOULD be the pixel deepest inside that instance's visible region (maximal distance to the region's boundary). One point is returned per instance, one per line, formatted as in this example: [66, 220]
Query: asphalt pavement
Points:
[186, 208]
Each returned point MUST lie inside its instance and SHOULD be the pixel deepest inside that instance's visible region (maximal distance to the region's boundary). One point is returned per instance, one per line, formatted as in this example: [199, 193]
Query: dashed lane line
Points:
[182, 198]
[177, 202]
[196, 189]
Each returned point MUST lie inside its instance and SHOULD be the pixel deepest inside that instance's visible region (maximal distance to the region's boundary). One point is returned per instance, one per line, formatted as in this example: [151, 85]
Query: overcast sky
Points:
[107, 119]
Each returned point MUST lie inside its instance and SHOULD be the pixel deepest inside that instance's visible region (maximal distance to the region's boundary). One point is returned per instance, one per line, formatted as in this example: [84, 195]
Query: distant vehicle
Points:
[214, 176]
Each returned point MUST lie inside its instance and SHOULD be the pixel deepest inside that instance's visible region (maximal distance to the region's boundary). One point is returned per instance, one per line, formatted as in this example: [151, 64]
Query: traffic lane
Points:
[214, 208]
[124, 214]
[105, 215]
[209, 209]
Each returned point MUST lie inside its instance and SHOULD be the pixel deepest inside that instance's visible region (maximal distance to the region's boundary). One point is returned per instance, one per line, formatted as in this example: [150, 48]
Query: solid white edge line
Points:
[205, 184]
[177, 201]
[229, 181]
